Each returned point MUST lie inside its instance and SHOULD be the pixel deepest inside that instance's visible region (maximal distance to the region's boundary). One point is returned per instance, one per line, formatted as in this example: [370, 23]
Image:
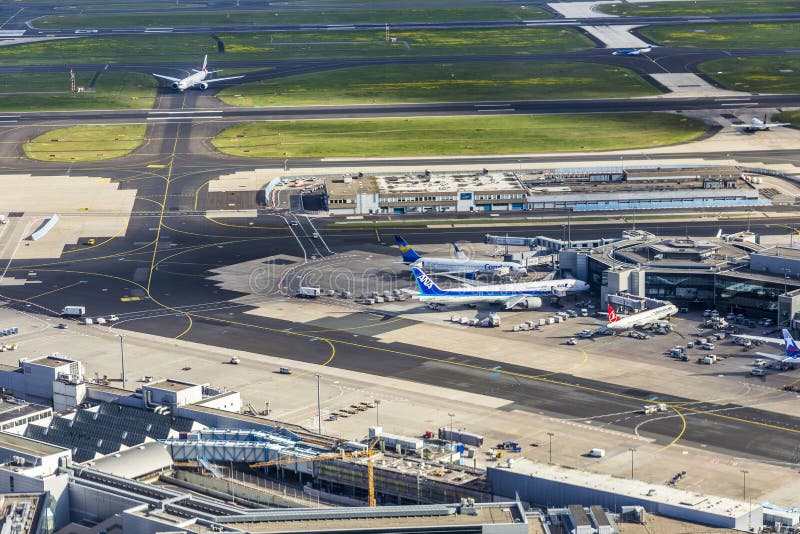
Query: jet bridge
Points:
[634, 302]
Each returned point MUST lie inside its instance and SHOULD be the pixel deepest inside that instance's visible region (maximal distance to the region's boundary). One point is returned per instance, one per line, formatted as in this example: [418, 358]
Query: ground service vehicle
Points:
[308, 292]
[73, 311]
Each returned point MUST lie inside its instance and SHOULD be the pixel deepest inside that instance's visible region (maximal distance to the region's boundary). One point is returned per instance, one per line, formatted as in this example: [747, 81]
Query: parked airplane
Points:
[792, 353]
[757, 125]
[459, 265]
[527, 293]
[617, 323]
[197, 79]
[633, 51]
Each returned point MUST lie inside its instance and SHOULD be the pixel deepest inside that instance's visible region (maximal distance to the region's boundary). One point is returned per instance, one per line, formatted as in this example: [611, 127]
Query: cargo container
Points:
[466, 438]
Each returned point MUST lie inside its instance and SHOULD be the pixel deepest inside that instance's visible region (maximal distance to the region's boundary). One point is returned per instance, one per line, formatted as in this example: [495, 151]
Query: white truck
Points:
[73, 311]
[308, 292]
[654, 408]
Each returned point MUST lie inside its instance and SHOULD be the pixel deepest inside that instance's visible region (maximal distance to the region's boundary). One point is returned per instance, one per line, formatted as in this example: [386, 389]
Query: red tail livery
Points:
[612, 315]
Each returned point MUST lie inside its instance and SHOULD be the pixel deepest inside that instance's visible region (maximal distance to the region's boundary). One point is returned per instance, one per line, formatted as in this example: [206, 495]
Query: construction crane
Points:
[371, 474]
[296, 460]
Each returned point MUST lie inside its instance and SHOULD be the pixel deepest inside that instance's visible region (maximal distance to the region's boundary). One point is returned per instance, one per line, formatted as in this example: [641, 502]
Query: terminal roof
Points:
[634, 488]
[27, 446]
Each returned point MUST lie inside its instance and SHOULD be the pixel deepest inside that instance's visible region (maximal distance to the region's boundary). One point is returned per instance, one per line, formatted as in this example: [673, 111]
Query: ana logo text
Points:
[424, 280]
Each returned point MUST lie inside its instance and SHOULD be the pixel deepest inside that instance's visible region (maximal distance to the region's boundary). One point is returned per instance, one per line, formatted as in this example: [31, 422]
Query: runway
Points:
[405, 26]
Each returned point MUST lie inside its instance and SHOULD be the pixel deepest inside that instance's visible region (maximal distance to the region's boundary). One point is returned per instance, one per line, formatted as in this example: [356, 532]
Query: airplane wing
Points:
[170, 78]
[549, 276]
[776, 357]
[776, 340]
[214, 80]
[743, 126]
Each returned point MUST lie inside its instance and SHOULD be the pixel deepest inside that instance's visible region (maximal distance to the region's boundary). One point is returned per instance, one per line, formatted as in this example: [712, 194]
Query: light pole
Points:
[786, 273]
[749, 212]
[452, 437]
[319, 406]
[744, 484]
[550, 435]
[122, 357]
[377, 412]
[632, 451]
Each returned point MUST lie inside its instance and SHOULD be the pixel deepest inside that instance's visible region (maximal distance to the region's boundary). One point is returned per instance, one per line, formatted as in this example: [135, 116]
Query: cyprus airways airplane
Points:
[526, 293]
[198, 79]
[461, 264]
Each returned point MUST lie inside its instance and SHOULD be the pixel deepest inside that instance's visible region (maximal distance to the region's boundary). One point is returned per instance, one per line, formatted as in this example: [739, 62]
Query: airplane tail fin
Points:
[792, 350]
[409, 255]
[426, 285]
[205, 62]
[459, 253]
[612, 315]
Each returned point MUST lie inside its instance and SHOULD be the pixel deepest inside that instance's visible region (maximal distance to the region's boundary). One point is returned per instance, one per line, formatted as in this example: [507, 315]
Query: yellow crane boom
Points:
[335, 456]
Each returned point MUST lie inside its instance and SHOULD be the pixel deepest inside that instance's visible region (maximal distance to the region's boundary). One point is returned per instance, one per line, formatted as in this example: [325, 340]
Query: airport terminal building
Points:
[728, 273]
[581, 189]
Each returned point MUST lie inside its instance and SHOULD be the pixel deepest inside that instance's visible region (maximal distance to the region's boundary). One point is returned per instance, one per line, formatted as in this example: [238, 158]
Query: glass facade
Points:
[726, 293]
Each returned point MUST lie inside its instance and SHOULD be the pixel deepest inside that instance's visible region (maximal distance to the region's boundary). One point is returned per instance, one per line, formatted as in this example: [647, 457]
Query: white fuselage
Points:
[502, 292]
[190, 81]
[643, 318]
[449, 265]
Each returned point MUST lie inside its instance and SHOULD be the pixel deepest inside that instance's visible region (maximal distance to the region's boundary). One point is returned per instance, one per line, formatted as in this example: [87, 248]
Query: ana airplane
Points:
[197, 79]
[617, 323]
[757, 125]
[509, 295]
[461, 264]
[633, 51]
[792, 354]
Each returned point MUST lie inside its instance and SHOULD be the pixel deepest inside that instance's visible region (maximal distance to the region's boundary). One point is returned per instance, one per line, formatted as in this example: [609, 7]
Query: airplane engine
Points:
[203, 86]
[531, 303]
[175, 85]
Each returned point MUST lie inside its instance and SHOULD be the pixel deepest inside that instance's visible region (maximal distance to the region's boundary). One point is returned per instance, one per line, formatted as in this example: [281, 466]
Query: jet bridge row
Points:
[548, 243]
[248, 446]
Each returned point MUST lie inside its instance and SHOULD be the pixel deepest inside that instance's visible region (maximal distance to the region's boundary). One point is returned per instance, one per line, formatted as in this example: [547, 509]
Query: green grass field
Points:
[453, 136]
[726, 36]
[511, 80]
[280, 45]
[113, 90]
[316, 16]
[86, 143]
[766, 74]
[789, 116]
[706, 7]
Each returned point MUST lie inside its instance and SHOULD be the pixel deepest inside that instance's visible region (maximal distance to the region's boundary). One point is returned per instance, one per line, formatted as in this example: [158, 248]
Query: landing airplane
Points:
[461, 264]
[527, 293]
[792, 353]
[197, 79]
[633, 51]
[617, 323]
[757, 125]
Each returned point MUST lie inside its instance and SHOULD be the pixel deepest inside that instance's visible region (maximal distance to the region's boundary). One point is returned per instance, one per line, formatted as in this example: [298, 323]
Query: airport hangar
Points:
[578, 189]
